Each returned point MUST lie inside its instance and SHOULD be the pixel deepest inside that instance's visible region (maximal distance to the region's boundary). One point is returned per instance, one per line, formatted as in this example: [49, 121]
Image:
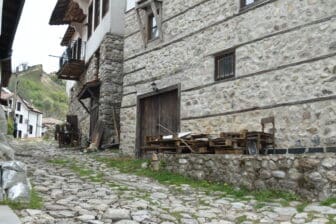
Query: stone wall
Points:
[110, 75]
[312, 176]
[105, 65]
[285, 67]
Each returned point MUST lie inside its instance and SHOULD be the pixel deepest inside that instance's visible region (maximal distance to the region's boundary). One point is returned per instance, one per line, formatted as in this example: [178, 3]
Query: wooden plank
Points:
[97, 133]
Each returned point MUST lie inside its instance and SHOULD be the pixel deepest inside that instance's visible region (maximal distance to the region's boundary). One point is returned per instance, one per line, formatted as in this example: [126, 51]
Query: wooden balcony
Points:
[72, 64]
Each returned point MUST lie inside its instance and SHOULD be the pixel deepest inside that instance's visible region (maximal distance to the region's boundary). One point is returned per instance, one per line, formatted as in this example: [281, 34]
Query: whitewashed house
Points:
[27, 118]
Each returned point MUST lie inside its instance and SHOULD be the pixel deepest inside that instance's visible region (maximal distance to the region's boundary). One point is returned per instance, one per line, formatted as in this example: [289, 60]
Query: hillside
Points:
[43, 90]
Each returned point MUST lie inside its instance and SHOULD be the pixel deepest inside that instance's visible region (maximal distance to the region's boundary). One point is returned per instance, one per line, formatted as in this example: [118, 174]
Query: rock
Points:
[127, 222]
[19, 192]
[331, 175]
[183, 161]
[294, 174]
[279, 174]
[315, 176]
[62, 214]
[144, 165]
[159, 195]
[56, 194]
[12, 177]
[329, 163]
[286, 211]
[33, 212]
[308, 163]
[265, 174]
[320, 209]
[117, 214]
[14, 165]
[141, 215]
[86, 218]
[6, 152]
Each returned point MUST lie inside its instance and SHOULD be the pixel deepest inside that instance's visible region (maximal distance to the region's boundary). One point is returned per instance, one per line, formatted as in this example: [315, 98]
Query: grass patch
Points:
[270, 195]
[128, 165]
[34, 203]
[59, 161]
[301, 207]
[259, 205]
[328, 202]
[241, 219]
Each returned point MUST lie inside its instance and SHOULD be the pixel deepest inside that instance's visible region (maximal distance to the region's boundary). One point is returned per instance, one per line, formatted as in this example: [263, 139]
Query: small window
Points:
[225, 65]
[97, 13]
[130, 4]
[21, 119]
[18, 106]
[106, 6]
[20, 134]
[153, 31]
[90, 17]
[30, 129]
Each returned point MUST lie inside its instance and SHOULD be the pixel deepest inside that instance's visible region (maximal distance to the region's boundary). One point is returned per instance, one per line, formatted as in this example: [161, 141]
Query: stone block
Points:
[279, 174]
[329, 163]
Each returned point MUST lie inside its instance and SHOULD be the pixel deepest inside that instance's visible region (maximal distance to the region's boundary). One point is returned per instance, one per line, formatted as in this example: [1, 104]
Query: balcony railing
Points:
[72, 63]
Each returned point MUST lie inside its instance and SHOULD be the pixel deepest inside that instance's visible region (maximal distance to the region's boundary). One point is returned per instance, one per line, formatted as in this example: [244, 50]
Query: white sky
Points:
[35, 39]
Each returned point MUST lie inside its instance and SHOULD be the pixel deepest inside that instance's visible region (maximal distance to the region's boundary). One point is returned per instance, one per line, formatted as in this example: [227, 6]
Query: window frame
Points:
[90, 20]
[30, 129]
[97, 11]
[18, 106]
[150, 27]
[20, 119]
[221, 55]
[105, 7]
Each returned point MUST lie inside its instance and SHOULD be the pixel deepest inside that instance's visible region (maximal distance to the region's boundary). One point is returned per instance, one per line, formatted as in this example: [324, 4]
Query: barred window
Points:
[225, 65]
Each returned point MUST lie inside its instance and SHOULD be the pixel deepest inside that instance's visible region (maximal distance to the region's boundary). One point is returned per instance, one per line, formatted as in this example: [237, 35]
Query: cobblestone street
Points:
[127, 199]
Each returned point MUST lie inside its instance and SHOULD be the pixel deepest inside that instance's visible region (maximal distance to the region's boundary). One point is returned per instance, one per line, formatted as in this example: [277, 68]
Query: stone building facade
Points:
[106, 67]
[284, 66]
[94, 61]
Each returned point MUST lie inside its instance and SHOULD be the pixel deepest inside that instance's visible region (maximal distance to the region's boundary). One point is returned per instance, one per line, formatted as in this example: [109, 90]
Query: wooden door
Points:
[162, 109]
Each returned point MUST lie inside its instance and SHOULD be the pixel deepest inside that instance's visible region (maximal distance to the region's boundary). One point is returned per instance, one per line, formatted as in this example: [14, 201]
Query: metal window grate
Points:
[225, 65]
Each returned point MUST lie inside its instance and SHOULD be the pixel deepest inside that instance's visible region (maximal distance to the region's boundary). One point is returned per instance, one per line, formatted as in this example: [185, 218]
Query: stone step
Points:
[8, 216]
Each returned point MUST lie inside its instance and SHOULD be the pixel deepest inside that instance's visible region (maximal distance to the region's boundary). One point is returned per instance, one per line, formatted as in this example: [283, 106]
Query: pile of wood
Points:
[227, 143]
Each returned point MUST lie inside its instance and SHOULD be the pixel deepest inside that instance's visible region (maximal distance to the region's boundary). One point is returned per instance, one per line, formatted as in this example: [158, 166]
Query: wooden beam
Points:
[142, 28]
[81, 102]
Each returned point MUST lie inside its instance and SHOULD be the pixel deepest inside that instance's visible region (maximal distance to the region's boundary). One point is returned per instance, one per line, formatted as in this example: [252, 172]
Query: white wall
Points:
[23, 127]
[112, 22]
[29, 118]
[35, 119]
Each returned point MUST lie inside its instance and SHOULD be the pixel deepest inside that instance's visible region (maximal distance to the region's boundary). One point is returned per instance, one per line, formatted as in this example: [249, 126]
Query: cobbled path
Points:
[127, 199]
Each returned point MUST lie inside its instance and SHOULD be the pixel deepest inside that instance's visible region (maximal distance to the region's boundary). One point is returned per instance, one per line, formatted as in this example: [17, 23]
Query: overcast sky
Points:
[35, 39]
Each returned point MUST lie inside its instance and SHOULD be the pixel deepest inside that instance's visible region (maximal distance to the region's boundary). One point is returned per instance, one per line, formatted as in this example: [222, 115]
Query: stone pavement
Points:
[127, 199]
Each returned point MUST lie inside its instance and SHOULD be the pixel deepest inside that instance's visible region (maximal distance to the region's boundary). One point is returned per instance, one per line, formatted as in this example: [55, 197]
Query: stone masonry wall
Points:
[285, 67]
[108, 69]
[312, 176]
[110, 75]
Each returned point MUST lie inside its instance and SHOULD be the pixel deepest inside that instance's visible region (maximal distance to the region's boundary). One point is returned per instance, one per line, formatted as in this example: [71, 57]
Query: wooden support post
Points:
[142, 28]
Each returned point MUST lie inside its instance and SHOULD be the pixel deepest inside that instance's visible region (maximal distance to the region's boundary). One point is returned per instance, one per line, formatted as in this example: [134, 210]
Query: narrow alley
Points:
[106, 195]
